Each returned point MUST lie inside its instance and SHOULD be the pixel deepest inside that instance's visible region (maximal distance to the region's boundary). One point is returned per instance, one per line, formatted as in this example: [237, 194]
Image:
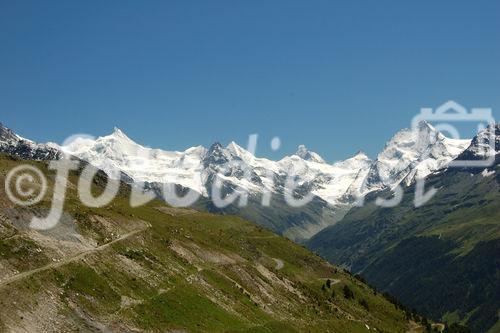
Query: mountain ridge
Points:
[334, 186]
[441, 258]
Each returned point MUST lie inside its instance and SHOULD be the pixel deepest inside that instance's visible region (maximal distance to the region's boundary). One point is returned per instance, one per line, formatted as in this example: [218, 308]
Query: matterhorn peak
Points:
[307, 155]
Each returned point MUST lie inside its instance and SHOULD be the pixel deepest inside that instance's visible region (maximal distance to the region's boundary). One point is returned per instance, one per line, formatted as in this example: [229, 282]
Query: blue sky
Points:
[337, 76]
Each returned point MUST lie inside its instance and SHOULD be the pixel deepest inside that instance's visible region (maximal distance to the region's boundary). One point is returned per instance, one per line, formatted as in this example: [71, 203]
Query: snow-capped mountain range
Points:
[193, 167]
[409, 154]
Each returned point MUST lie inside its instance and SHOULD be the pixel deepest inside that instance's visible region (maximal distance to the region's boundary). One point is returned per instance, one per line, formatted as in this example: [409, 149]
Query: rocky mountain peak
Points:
[481, 145]
[308, 155]
[360, 155]
[14, 145]
[216, 155]
[7, 135]
[216, 146]
[118, 134]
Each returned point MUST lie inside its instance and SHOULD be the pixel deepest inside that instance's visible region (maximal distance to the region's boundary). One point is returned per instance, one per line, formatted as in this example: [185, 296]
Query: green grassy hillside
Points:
[161, 269]
[442, 258]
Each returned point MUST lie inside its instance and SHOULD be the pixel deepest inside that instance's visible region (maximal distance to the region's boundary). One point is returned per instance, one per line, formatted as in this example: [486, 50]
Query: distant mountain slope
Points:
[161, 269]
[193, 167]
[442, 258]
[333, 186]
[410, 154]
[197, 169]
[14, 145]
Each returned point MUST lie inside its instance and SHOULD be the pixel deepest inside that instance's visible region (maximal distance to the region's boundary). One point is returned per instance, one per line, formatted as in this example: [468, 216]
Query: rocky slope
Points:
[14, 145]
[161, 269]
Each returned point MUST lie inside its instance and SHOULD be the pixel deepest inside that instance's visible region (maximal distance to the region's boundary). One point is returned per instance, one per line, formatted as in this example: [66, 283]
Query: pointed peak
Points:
[308, 155]
[196, 149]
[361, 154]
[422, 130]
[216, 146]
[301, 151]
[238, 150]
[234, 145]
[117, 131]
[6, 134]
[119, 134]
[426, 126]
[234, 148]
[421, 126]
[485, 144]
[216, 155]
[493, 127]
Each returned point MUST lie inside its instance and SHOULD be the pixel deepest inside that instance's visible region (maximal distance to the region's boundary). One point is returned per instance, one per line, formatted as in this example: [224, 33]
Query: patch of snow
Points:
[487, 173]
